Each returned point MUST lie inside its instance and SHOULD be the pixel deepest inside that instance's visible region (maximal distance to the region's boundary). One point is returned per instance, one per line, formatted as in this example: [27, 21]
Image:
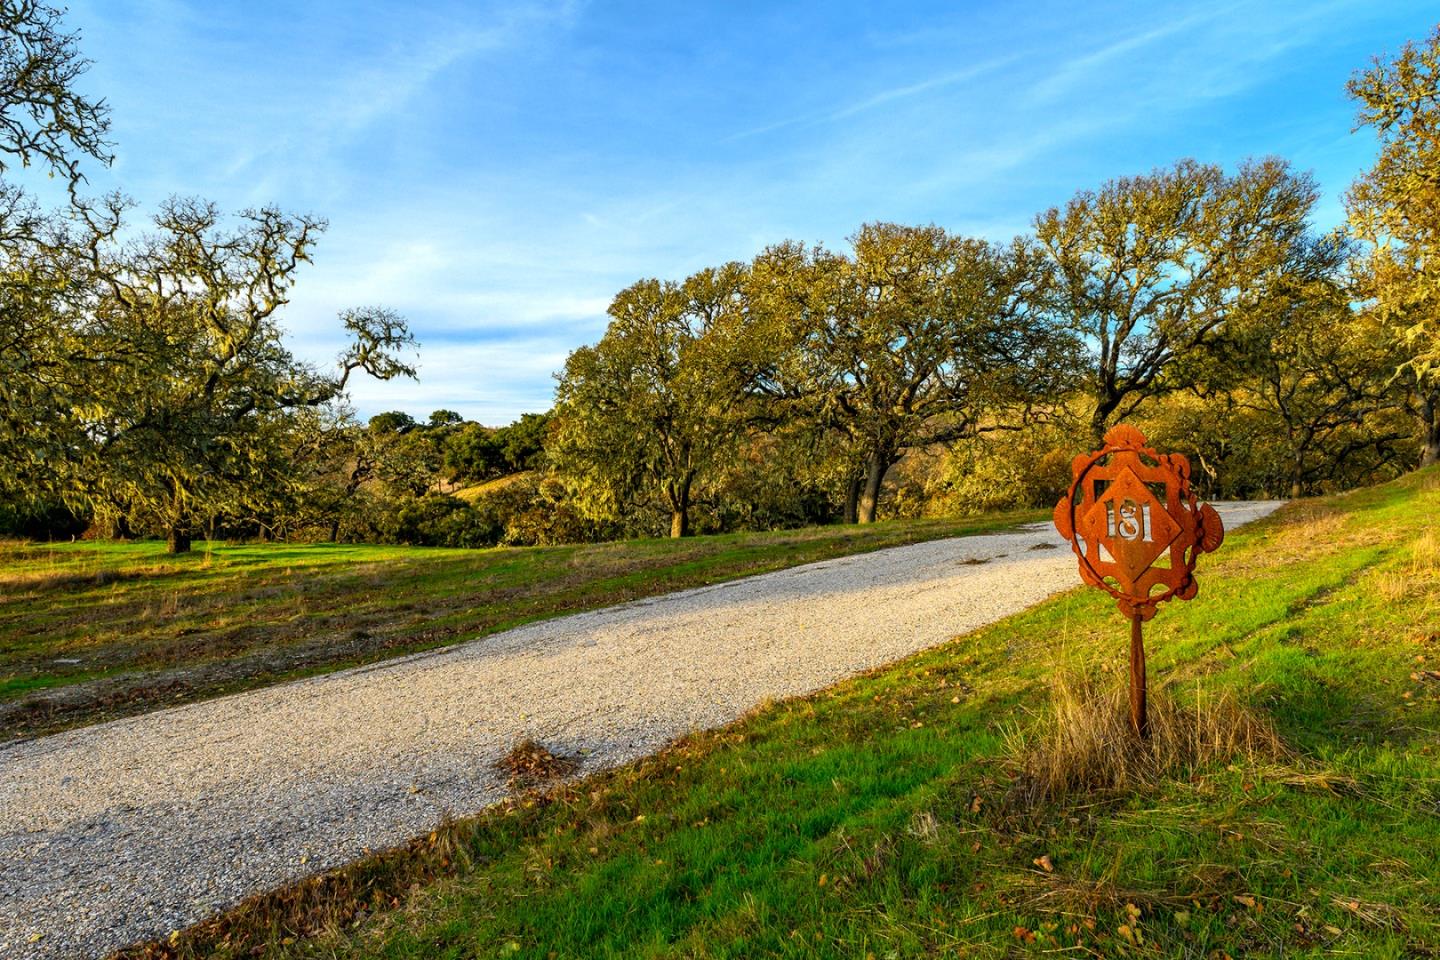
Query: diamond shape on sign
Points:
[1131, 524]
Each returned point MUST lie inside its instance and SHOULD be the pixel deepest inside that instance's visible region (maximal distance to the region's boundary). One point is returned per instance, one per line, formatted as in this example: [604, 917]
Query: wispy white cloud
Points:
[383, 87]
[489, 382]
[276, 107]
[949, 78]
[1073, 75]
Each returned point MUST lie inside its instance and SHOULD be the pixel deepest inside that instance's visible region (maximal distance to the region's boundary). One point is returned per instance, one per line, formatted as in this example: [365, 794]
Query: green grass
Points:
[879, 818]
[94, 630]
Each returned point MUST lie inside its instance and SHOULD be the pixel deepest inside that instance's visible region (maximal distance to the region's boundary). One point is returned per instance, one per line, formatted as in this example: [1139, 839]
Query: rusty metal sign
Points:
[1137, 529]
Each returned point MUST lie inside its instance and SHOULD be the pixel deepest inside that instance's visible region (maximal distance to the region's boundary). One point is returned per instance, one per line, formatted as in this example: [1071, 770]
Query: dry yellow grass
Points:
[478, 490]
[1085, 743]
[1425, 553]
[1416, 572]
[1393, 587]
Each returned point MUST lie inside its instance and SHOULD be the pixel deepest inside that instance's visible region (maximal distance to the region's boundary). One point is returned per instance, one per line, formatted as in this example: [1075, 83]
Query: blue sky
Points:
[498, 172]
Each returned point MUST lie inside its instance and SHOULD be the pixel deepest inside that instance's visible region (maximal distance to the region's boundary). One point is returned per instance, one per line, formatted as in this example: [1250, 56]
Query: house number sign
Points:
[1136, 528]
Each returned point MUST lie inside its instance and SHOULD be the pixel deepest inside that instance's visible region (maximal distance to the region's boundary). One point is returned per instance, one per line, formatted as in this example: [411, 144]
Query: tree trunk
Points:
[876, 467]
[180, 526]
[1100, 418]
[1109, 396]
[1297, 474]
[334, 531]
[1430, 428]
[852, 499]
[680, 508]
[179, 541]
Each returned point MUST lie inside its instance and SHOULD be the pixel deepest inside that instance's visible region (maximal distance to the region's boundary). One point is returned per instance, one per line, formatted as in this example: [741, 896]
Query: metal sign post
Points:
[1137, 530]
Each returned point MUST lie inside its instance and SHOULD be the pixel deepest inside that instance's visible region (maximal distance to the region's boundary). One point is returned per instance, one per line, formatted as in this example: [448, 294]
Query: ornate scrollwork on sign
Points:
[1134, 522]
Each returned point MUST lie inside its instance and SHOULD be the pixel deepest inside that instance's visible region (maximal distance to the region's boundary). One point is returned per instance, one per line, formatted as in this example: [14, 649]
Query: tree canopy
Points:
[653, 409]
[1149, 268]
[45, 119]
[920, 338]
[1395, 208]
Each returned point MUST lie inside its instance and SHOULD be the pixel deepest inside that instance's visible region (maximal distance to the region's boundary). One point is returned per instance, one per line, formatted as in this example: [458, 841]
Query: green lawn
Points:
[880, 818]
[93, 630]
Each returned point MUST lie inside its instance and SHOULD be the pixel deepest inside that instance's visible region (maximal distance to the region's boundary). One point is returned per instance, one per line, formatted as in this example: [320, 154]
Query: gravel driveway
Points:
[131, 829]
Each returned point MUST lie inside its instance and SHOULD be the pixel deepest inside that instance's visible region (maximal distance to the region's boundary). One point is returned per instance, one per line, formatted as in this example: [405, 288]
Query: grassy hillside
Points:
[476, 491]
[895, 815]
[94, 630]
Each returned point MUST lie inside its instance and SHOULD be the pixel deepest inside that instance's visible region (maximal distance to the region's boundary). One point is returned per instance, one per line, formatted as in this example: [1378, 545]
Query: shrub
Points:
[1007, 469]
[536, 512]
[432, 520]
[41, 521]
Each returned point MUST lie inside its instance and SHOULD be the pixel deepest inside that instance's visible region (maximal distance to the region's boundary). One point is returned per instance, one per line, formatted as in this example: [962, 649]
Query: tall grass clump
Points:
[1085, 745]
[1425, 553]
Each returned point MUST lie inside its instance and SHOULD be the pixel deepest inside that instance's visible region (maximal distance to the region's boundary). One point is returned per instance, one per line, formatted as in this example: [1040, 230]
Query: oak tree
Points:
[188, 380]
[1316, 372]
[648, 413]
[45, 119]
[1149, 268]
[921, 337]
[1395, 207]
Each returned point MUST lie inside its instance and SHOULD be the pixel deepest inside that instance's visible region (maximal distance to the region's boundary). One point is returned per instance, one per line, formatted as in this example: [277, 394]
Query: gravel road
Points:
[131, 829]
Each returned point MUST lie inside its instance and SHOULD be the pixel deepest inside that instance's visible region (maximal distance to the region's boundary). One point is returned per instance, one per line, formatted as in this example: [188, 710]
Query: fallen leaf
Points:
[1044, 863]
[1249, 901]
